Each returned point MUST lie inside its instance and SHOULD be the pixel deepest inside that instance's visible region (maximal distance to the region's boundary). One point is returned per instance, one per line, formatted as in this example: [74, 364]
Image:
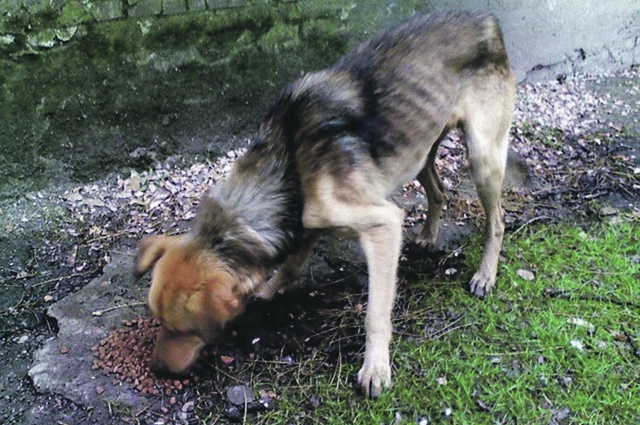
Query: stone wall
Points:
[92, 86]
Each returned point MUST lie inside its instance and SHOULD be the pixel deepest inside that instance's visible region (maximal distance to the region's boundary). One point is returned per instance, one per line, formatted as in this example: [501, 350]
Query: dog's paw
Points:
[427, 245]
[427, 242]
[374, 377]
[267, 291]
[481, 284]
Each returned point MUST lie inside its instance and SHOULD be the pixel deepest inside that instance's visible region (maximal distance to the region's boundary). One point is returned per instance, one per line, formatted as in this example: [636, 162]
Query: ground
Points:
[574, 159]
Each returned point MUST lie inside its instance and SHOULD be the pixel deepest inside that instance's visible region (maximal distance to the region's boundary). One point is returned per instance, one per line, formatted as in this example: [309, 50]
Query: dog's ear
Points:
[150, 249]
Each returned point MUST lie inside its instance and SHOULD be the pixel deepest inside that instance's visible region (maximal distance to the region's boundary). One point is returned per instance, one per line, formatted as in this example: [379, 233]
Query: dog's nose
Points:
[175, 353]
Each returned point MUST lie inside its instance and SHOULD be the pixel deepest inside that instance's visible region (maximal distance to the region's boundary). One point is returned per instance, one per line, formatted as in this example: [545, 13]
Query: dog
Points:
[327, 157]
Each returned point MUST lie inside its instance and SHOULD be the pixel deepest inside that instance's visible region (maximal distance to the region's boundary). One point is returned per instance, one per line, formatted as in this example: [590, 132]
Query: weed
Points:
[561, 348]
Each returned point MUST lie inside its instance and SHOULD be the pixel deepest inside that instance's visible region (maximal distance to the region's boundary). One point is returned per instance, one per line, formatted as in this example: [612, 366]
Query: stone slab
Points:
[63, 365]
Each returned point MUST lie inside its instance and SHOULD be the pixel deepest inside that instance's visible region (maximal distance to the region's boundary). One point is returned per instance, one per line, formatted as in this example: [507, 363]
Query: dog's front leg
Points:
[290, 270]
[378, 225]
[381, 244]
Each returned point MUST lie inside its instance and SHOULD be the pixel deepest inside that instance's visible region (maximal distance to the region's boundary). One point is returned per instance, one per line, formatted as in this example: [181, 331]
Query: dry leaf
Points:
[227, 360]
[580, 322]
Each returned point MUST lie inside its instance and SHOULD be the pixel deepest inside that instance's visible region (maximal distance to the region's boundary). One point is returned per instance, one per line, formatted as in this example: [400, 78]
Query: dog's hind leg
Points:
[290, 270]
[430, 181]
[378, 225]
[486, 129]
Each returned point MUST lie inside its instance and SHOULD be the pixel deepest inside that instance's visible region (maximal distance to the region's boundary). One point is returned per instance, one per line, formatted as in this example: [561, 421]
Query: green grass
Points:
[563, 348]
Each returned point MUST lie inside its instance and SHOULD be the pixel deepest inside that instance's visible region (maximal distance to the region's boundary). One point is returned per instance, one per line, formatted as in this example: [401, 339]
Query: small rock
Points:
[580, 322]
[232, 413]
[398, 419]
[99, 390]
[64, 350]
[577, 344]
[526, 274]
[606, 211]
[315, 401]
[240, 394]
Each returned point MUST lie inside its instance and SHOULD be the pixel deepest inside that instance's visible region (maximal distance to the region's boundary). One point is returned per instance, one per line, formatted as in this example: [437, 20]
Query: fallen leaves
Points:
[148, 202]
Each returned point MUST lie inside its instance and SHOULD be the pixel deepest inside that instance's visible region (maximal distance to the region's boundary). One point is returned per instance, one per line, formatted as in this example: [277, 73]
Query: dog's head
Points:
[193, 295]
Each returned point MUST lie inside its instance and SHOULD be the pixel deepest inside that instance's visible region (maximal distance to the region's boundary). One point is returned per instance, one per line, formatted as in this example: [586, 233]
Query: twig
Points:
[246, 403]
[515, 353]
[215, 421]
[57, 279]
[8, 279]
[99, 238]
[568, 295]
[13, 306]
[542, 217]
[621, 174]
[443, 333]
[147, 407]
[99, 313]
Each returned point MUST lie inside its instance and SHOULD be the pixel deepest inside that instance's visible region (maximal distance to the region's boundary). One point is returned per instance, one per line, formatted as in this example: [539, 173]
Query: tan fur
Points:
[191, 293]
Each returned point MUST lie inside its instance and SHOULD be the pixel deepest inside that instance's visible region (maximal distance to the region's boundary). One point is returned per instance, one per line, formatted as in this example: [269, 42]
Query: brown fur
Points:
[327, 156]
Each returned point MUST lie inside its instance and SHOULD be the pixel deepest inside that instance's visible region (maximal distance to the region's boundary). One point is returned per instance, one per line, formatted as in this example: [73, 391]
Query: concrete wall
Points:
[90, 86]
[547, 38]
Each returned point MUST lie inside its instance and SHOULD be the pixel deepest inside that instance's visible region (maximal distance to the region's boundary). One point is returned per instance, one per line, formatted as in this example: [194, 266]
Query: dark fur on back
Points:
[388, 93]
[253, 217]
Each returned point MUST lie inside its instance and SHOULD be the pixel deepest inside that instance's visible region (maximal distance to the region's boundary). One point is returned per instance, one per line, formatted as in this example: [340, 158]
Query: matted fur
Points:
[326, 157]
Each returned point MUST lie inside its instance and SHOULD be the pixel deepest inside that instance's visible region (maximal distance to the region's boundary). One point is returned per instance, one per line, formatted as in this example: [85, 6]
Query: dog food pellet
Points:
[125, 354]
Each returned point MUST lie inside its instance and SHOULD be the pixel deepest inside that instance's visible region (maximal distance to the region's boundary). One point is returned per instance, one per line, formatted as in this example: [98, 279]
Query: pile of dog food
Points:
[126, 355]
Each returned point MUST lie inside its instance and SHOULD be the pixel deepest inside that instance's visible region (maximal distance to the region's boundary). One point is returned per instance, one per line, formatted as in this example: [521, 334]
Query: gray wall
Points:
[546, 38]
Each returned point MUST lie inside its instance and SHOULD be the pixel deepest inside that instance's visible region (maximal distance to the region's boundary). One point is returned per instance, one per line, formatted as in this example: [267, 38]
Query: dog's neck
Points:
[253, 218]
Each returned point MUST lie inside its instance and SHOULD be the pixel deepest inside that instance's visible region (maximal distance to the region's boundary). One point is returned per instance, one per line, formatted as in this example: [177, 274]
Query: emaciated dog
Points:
[326, 157]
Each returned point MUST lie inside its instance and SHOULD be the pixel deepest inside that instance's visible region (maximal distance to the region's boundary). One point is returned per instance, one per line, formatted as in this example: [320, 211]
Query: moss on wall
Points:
[88, 87]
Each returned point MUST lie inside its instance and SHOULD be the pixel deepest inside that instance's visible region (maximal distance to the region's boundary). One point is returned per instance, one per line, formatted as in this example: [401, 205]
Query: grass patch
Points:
[560, 349]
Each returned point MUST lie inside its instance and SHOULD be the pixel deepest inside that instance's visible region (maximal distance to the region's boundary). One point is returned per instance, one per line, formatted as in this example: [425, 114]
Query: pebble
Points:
[232, 413]
[240, 394]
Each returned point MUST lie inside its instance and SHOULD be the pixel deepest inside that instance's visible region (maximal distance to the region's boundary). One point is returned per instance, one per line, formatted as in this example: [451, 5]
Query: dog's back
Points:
[391, 99]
